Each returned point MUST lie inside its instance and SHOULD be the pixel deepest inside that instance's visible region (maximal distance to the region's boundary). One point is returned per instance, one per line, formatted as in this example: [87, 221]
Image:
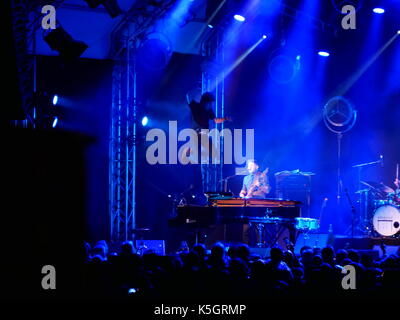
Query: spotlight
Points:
[111, 6]
[211, 26]
[324, 53]
[378, 10]
[59, 40]
[145, 121]
[45, 114]
[398, 31]
[298, 57]
[55, 121]
[55, 99]
[264, 36]
[239, 18]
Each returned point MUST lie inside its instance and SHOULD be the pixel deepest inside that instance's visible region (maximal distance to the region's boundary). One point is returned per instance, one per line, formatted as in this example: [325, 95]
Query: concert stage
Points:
[212, 147]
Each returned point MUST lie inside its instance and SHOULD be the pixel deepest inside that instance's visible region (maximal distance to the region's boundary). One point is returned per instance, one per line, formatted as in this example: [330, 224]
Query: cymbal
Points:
[371, 184]
[386, 189]
[379, 187]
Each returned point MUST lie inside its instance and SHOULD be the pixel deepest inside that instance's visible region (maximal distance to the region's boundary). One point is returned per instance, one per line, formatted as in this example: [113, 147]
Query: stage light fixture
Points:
[145, 121]
[239, 18]
[45, 113]
[59, 40]
[264, 36]
[55, 99]
[323, 53]
[398, 31]
[378, 10]
[55, 121]
[111, 6]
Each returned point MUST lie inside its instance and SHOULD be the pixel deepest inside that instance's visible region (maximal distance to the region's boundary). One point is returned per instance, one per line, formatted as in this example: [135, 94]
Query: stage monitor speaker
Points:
[313, 240]
[158, 246]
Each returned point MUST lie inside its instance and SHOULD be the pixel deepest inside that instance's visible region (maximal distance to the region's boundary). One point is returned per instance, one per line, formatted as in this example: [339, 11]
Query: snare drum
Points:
[386, 220]
[306, 224]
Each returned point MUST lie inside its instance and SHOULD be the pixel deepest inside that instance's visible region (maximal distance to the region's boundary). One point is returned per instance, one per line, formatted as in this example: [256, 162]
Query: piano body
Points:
[237, 211]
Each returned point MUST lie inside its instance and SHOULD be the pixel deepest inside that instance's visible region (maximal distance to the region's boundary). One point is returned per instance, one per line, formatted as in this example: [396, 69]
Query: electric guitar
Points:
[256, 183]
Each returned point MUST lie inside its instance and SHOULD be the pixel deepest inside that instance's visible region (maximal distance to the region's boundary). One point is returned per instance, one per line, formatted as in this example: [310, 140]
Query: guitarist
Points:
[255, 184]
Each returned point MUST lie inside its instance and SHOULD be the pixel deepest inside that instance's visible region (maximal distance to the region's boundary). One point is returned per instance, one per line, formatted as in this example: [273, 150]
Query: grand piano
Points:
[237, 210]
[230, 211]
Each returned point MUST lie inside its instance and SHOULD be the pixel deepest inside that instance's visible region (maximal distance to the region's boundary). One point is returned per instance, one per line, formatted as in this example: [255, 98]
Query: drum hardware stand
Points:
[363, 207]
[355, 221]
[260, 234]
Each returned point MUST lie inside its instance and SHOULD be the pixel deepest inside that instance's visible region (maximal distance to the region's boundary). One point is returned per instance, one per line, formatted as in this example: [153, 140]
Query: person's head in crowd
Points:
[390, 262]
[353, 255]
[328, 255]
[302, 249]
[317, 260]
[218, 250]
[243, 251]
[276, 254]
[306, 257]
[341, 254]
[191, 259]
[104, 244]
[200, 249]
[288, 257]
[99, 252]
[346, 261]
[317, 251]
[127, 248]
[258, 268]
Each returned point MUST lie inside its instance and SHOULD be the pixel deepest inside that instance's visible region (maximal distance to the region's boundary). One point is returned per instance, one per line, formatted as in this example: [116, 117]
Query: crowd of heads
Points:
[234, 271]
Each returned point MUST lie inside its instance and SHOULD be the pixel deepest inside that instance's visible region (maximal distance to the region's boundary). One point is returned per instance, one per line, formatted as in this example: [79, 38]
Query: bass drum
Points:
[386, 220]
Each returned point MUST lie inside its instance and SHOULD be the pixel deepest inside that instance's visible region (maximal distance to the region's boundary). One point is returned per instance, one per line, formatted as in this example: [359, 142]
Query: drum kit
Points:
[383, 209]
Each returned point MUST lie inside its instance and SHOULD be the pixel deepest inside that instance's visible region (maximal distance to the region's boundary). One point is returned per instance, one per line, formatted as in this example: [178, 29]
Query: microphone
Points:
[381, 160]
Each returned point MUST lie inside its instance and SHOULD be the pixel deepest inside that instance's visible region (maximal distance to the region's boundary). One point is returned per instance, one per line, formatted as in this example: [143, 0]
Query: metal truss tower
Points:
[126, 39]
[212, 49]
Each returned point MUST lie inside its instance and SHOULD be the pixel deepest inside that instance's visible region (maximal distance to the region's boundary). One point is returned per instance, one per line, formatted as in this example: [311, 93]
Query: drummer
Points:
[397, 192]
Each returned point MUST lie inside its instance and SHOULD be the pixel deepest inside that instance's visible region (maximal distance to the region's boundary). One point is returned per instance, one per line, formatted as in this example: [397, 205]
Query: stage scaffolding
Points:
[213, 76]
[126, 38]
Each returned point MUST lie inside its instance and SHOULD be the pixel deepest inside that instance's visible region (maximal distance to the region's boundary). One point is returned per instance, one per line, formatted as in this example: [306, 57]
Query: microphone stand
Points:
[225, 180]
[353, 212]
